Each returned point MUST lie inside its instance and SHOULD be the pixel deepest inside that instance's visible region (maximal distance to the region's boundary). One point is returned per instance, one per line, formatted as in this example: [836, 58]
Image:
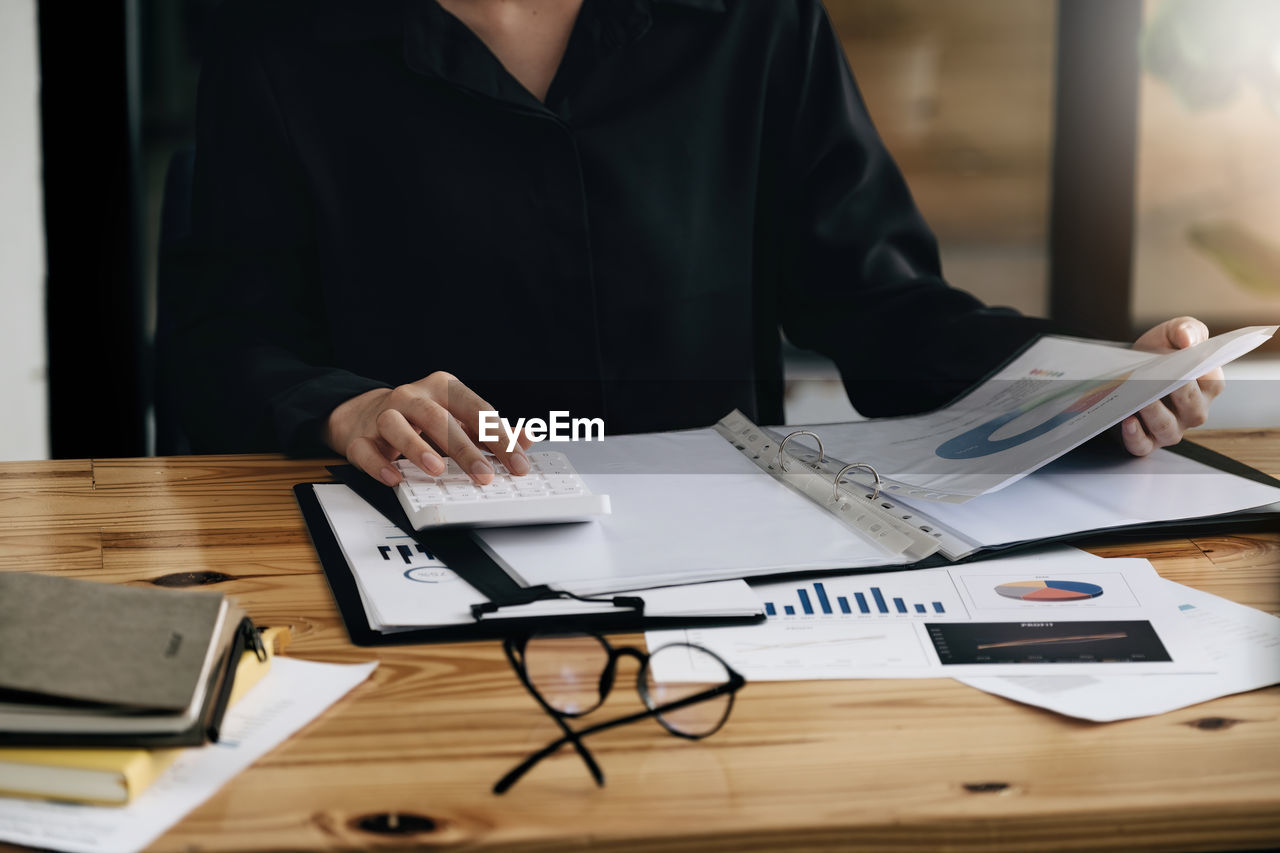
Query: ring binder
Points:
[822, 455]
[866, 513]
[835, 485]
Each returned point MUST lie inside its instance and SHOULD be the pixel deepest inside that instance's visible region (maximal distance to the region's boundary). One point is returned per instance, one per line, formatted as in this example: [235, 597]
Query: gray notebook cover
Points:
[95, 642]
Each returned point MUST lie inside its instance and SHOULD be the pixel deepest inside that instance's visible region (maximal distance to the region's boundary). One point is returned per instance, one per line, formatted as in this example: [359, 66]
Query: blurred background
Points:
[1109, 163]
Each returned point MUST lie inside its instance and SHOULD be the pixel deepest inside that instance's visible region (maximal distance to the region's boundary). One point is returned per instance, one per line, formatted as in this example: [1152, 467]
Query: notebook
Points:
[96, 664]
[111, 775]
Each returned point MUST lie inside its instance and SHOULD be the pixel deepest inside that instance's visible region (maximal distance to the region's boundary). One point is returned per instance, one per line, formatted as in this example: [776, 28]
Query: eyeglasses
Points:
[570, 675]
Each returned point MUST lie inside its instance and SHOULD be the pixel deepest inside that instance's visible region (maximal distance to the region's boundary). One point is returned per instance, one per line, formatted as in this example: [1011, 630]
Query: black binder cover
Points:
[1261, 519]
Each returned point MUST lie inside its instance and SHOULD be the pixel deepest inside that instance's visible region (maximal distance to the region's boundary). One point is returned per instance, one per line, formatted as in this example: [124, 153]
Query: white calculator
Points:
[551, 493]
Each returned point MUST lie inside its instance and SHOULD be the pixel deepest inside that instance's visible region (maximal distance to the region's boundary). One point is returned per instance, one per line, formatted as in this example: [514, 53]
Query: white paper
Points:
[687, 507]
[1092, 490]
[1242, 646]
[921, 612]
[293, 693]
[1053, 397]
[403, 586]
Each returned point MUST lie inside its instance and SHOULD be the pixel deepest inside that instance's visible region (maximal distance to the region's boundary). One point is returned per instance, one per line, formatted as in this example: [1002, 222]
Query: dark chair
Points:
[174, 249]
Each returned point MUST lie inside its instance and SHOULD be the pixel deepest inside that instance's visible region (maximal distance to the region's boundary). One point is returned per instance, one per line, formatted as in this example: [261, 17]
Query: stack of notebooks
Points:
[102, 685]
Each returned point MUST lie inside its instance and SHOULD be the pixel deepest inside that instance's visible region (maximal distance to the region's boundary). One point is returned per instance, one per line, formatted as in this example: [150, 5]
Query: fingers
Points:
[406, 440]
[1189, 406]
[1178, 333]
[1162, 423]
[515, 459]
[1184, 332]
[365, 454]
[425, 417]
[466, 405]
[423, 422]
[1154, 426]
[469, 457]
[1212, 383]
[1136, 440]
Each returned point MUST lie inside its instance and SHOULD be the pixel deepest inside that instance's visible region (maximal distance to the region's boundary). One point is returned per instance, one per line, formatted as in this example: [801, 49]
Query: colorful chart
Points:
[977, 442]
[1049, 590]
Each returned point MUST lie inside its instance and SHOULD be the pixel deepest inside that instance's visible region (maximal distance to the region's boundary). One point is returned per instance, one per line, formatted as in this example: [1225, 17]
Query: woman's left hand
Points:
[1163, 422]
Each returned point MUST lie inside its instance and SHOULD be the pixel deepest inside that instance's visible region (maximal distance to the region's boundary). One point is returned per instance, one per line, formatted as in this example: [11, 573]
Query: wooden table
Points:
[806, 765]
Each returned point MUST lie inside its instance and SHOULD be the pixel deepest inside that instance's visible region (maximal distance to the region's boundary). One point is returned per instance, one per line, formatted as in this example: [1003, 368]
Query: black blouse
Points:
[376, 198]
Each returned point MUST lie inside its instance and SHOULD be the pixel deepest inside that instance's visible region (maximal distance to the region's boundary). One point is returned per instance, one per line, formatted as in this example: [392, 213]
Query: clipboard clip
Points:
[630, 602]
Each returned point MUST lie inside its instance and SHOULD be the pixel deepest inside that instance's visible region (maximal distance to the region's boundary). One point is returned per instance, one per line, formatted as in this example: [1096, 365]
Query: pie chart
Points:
[1049, 590]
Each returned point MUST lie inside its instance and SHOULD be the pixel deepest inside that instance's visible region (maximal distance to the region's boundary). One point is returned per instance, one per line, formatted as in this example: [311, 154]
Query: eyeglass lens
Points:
[697, 719]
[566, 671]
[569, 674]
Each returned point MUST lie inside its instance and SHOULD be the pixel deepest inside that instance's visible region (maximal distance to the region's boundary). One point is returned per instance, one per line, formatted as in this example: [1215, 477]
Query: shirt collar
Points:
[704, 5]
[436, 44]
[344, 20]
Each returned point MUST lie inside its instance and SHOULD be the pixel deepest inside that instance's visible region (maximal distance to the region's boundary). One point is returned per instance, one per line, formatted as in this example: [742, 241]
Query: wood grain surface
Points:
[406, 761]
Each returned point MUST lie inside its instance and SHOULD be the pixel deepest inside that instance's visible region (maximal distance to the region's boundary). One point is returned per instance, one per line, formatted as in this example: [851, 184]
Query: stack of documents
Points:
[1241, 646]
[696, 512]
[404, 587]
[987, 472]
[1061, 629]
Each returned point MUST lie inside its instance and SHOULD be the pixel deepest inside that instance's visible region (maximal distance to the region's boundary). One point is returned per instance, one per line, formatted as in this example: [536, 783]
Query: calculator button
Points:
[427, 493]
[563, 483]
[551, 492]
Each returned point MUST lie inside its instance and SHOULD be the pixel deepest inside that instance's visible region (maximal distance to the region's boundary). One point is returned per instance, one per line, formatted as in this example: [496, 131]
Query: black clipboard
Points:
[458, 549]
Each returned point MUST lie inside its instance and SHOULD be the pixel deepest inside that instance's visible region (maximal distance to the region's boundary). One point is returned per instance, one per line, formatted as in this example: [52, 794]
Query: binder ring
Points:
[835, 487]
[782, 460]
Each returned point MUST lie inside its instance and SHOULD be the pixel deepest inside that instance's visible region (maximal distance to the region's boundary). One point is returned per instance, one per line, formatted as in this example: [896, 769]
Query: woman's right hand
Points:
[422, 421]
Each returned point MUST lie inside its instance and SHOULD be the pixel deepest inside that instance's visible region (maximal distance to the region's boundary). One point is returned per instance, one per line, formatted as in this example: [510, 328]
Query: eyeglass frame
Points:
[514, 648]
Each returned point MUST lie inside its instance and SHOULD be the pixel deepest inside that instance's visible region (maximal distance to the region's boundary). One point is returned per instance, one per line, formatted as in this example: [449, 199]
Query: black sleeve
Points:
[249, 347]
[863, 283]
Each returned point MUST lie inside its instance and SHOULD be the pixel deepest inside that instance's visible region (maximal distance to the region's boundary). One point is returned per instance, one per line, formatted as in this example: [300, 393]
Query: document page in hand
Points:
[1056, 395]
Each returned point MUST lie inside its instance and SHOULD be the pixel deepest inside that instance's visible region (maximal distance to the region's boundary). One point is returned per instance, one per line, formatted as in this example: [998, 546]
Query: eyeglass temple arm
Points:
[525, 766]
[576, 737]
[515, 655]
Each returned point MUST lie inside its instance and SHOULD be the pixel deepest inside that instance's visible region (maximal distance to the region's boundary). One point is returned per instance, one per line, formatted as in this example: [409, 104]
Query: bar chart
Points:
[405, 551]
[847, 598]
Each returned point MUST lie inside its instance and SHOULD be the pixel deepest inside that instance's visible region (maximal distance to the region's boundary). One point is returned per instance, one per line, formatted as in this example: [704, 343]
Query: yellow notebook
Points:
[109, 775]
